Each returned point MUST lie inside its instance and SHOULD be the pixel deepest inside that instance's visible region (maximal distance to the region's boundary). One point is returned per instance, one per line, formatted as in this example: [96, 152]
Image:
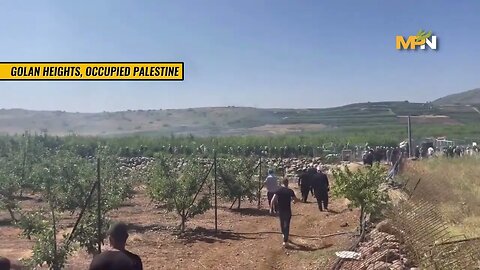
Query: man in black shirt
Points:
[118, 235]
[111, 260]
[283, 198]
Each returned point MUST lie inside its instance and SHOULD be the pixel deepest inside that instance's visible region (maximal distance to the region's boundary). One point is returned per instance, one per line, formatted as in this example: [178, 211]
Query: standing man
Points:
[389, 155]
[368, 158]
[118, 235]
[305, 185]
[271, 183]
[322, 187]
[283, 198]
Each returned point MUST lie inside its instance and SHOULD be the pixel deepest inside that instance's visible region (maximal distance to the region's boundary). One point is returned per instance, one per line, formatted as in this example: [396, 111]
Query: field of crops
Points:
[59, 195]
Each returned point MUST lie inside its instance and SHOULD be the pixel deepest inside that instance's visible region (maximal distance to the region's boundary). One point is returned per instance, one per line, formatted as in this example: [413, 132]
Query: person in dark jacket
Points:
[304, 180]
[418, 153]
[368, 158]
[322, 187]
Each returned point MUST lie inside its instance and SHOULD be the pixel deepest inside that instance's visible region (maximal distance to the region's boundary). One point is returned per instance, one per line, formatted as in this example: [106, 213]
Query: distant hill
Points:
[471, 97]
[224, 121]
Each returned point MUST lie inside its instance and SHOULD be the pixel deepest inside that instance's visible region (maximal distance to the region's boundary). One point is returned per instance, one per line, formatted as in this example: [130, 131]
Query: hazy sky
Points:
[242, 53]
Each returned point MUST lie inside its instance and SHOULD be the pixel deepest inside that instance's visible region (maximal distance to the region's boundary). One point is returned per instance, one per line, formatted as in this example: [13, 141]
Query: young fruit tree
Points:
[362, 188]
[63, 179]
[9, 186]
[66, 181]
[180, 187]
[237, 179]
[16, 162]
[116, 187]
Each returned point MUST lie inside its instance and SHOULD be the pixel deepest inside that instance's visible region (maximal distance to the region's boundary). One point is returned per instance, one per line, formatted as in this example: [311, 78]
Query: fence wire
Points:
[429, 241]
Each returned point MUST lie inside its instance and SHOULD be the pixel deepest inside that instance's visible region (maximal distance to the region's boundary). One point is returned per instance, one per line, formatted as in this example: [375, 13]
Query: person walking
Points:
[271, 183]
[322, 187]
[304, 180]
[283, 199]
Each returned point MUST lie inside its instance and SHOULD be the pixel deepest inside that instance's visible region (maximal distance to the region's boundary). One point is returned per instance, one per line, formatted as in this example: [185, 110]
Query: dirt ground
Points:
[247, 239]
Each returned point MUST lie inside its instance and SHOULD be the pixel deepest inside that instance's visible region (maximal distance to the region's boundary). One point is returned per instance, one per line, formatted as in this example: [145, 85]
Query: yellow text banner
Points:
[81, 71]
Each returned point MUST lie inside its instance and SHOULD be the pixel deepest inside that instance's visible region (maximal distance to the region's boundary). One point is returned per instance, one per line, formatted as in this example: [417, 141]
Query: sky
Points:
[257, 53]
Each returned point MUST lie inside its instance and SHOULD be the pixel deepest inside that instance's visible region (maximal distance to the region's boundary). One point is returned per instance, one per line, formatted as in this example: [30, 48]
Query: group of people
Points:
[459, 151]
[378, 154]
[312, 180]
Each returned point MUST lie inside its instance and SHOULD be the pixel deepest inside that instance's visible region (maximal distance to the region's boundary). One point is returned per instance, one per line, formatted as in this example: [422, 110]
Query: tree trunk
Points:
[239, 201]
[362, 214]
[182, 225]
[12, 215]
[231, 206]
[56, 264]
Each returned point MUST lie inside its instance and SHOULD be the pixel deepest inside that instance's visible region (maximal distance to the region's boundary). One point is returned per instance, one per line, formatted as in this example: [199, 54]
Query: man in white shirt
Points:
[431, 151]
[271, 183]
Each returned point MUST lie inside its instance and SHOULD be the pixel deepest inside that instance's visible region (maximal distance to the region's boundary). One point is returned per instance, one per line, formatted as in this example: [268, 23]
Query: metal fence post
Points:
[215, 187]
[99, 209]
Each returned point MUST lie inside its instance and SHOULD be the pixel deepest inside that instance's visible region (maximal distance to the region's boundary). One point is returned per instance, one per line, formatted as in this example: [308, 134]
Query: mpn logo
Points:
[419, 40]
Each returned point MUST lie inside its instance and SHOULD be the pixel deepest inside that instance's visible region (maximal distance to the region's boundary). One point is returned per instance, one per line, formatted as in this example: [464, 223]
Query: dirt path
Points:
[248, 239]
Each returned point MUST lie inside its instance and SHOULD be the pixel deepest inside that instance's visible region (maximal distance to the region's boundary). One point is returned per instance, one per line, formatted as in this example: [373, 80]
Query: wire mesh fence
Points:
[429, 241]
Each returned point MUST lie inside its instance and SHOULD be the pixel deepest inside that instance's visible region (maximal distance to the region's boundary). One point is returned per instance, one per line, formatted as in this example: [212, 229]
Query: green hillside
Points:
[220, 121]
[471, 97]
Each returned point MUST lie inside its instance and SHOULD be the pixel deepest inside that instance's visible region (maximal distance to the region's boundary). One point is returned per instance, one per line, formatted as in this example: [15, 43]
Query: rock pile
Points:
[293, 165]
[383, 249]
[135, 163]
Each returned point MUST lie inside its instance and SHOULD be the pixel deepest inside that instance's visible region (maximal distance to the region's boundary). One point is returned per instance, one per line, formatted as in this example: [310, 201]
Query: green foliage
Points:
[362, 187]
[64, 179]
[9, 186]
[32, 224]
[116, 184]
[47, 249]
[16, 165]
[178, 187]
[237, 181]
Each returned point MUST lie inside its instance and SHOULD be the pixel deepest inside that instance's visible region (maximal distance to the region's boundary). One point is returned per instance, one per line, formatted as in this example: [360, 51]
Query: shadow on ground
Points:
[251, 211]
[334, 212]
[201, 234]
[148, 228]
[6, 222]
[296, 235]
[300, 247]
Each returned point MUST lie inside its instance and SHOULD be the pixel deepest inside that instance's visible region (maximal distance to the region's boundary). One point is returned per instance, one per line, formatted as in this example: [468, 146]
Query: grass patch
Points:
[453, 185]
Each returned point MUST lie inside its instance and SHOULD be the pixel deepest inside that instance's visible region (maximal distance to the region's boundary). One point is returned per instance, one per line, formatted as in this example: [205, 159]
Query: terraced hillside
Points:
[237, 120]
